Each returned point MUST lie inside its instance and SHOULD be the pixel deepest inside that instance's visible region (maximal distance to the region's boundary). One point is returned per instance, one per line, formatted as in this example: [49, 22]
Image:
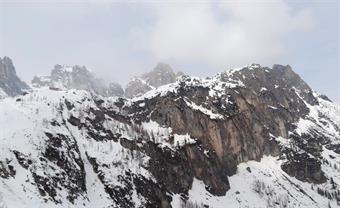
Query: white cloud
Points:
[227, 33]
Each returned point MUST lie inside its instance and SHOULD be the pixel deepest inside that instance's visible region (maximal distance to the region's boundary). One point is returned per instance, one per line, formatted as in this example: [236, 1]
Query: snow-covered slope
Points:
[32, 154]
[260, 184]
[250, 137]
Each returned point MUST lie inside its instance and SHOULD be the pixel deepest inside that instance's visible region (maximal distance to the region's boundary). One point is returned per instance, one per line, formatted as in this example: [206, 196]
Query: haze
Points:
[117, 40]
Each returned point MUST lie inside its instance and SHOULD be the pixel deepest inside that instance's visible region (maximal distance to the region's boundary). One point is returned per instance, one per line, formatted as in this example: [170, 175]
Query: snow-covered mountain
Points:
[248, 137]
[77, 77]
[162, 74]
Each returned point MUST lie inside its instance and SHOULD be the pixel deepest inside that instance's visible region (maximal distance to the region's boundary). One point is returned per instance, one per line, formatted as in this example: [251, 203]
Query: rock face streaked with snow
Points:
[77, 77]
[248, 137]
[10, 84]
[162, 74]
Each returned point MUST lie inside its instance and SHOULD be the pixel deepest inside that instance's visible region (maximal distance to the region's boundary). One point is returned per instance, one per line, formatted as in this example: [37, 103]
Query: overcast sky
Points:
[117, 40]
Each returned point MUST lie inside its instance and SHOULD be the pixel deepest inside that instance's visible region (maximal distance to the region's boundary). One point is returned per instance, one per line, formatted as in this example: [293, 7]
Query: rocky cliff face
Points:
[10, 84]
[77, 77]
[162, 74]
[247, 137]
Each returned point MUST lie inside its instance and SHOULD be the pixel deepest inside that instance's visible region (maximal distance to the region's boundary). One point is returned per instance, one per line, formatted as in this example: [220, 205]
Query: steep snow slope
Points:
[31, 123]
[24, 123]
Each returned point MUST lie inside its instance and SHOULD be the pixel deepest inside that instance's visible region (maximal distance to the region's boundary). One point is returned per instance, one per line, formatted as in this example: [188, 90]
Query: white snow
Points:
[181, 140]
[160, 91]
[152, 127]
[230, 72]
[263, 89]
[216, 86]
[272, 107]
[264, 186]
[23, 124]
[2, 94]
[162, 135]
[323, 117]
[203, 110]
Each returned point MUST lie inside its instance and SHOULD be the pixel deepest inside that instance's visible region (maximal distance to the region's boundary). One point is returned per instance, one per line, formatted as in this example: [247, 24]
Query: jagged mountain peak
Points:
[67, 70]
[8, 67]
[261, 78]
[253, 77]
[163, 67]
[77, 77]
[10, 83]
[162, 74]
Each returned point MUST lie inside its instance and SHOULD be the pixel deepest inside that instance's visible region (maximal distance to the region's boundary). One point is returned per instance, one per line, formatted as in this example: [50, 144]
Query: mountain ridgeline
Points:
[247, 137]
[77, 77]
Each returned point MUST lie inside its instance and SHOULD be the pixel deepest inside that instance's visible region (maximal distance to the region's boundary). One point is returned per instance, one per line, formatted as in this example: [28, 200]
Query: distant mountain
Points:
[77, 77]
[248, 137]
[115, 89]
[10, 84]
[162, 74]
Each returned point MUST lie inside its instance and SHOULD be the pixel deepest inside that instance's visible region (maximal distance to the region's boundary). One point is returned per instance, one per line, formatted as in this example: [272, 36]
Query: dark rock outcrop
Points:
[304, 168]
[250, 118]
